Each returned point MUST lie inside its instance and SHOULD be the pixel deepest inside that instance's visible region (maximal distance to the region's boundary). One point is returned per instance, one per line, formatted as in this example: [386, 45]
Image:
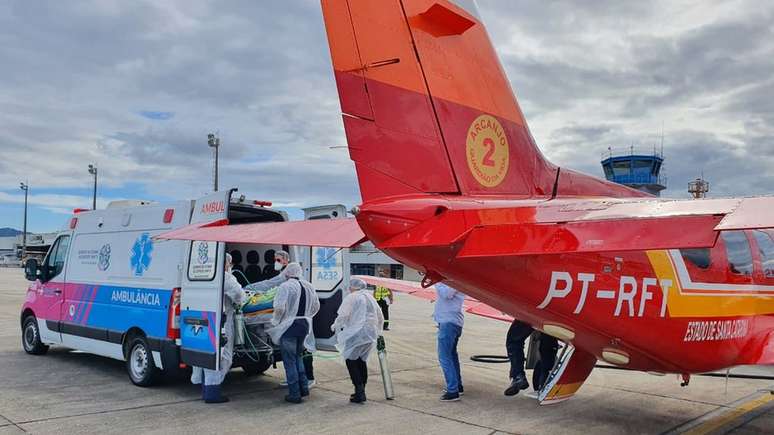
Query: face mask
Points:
[278, 266]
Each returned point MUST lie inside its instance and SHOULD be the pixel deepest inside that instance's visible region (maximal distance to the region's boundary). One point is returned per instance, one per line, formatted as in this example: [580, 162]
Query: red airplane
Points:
[453, 185]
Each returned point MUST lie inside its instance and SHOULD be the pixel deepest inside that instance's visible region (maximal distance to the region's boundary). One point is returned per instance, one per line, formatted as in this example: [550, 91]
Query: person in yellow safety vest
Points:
[382, 294]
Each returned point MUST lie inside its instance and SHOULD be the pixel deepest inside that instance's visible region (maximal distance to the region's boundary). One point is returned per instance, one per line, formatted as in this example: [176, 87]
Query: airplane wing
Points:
[471, 305]
[333, 233]
[588, 225]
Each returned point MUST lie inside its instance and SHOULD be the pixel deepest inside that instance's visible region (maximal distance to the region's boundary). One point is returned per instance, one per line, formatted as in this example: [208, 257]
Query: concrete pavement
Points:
[73, 392]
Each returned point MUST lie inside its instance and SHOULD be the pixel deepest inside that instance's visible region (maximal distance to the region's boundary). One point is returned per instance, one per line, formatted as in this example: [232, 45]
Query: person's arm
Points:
[280, 303]
[444, 291]
[262, 286]
[342, 315]
[233, 291]
[315, 307]
[389, 295]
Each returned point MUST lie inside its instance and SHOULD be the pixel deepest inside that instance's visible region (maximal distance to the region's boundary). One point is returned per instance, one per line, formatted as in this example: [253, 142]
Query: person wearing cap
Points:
[295, 304]
[357, 329]
[233, 296]
[281, 261]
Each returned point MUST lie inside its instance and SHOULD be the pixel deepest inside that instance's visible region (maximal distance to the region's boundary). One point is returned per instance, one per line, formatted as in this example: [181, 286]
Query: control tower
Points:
[639, 170]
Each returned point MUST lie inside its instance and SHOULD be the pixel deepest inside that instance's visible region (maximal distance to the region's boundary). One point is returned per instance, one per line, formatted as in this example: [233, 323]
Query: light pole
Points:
[26, 189]
[93, 171]
[214, 142]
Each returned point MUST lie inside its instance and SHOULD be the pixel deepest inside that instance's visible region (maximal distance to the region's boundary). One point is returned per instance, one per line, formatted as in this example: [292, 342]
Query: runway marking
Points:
[723, 419]
[750, 406]
[10, 423]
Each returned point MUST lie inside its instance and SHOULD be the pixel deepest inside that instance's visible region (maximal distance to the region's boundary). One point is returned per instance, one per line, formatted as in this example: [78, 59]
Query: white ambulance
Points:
[108, 286]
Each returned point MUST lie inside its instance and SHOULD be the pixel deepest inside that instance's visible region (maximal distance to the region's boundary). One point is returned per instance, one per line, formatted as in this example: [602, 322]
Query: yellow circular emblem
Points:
[487, 151]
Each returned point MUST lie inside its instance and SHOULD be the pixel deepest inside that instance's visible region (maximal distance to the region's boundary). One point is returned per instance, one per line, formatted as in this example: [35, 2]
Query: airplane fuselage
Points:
[681, 311]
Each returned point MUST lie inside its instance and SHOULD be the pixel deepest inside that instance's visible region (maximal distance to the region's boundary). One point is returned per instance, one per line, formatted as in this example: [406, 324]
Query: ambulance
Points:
[109, 286]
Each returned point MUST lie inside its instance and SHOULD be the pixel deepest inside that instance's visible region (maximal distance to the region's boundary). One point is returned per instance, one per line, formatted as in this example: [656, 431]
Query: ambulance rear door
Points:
[202, 288]
[329, 273]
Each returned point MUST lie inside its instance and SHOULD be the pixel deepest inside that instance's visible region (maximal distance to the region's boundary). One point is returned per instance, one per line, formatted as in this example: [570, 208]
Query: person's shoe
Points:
[359, 396]
[450, 397]
[292, 399]
[461, 391]
[212, 394]
[532, 394]
[517, 384]
[311, 383]
[304, 393]
[283, 383]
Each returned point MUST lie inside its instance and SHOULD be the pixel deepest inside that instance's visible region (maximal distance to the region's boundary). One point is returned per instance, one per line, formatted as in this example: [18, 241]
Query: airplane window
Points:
[766, 247]
[738, 250]
[699, 257]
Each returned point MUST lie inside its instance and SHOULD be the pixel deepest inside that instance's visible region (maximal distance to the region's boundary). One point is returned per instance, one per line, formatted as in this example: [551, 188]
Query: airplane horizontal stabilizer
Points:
[471, 305]
[569, 225]
[750, 214]
[334, 233]
[570, 372]
[591, 236]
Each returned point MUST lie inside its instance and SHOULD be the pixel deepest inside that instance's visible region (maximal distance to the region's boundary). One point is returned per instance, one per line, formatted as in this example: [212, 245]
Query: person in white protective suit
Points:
[233, 296]
[295, 304]
[281, 261]
[357, 328]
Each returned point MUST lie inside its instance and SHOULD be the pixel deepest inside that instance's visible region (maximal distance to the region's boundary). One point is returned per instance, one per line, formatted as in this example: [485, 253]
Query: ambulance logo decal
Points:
[487, 151]
[141, 254]
[326, 257]
[104, 257]
[203, 252]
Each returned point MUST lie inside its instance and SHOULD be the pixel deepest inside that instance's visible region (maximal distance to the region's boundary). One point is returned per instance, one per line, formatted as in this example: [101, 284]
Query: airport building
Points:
[365, 259]
[11, 247]
[638, 170]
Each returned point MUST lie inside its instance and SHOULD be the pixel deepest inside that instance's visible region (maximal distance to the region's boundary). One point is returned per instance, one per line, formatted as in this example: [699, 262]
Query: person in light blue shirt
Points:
[448, 315]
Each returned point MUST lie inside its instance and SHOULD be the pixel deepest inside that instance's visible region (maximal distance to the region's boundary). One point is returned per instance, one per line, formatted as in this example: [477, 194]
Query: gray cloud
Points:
[78, 75]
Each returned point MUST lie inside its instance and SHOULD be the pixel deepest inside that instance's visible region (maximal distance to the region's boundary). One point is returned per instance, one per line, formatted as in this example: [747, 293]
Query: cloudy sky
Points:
[136, 86]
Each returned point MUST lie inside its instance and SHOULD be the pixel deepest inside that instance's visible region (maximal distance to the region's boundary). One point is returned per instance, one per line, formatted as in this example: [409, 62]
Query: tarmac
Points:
[66, 391]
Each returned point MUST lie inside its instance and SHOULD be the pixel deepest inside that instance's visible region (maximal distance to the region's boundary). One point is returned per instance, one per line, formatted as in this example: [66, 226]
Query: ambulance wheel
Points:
[31, 337]
[255, 368]
[139, 362]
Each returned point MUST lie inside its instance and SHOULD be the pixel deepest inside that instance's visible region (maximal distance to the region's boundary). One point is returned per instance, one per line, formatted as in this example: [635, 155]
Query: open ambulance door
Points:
[328, 270]
[202, 287]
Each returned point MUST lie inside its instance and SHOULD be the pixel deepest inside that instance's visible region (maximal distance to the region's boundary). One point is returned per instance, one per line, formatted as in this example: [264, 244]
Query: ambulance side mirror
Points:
[31, 269]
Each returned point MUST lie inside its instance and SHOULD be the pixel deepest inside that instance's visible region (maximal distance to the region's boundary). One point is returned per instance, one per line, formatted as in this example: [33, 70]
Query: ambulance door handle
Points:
[57, 291]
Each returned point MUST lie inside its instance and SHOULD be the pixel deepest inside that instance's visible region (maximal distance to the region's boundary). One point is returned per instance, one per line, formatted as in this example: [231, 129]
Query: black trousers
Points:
[514, 344]
[385, 312]
[547, 350]
[358, 371]
[308, 367]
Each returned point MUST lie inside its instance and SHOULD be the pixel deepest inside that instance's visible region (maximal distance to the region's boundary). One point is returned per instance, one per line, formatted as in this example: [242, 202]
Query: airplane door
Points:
[201, 297]
[329, 274]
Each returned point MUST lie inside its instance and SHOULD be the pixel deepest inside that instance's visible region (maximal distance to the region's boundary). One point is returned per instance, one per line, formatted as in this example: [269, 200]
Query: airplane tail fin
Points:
[427, 105]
